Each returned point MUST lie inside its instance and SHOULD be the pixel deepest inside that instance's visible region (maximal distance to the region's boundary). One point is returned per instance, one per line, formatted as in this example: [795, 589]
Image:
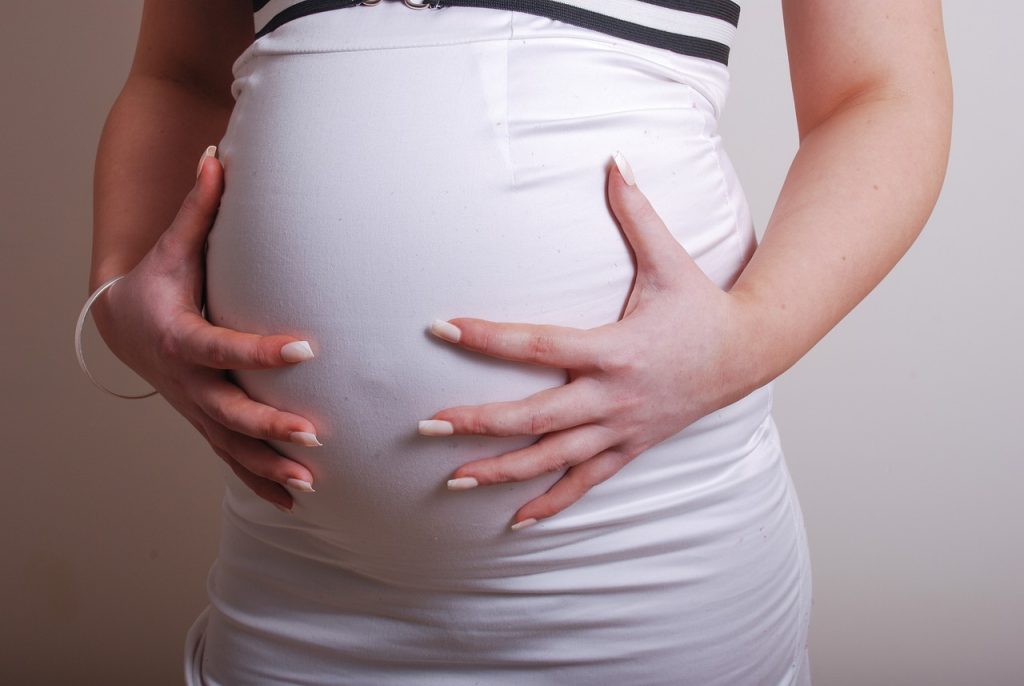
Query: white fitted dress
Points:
[386, 167]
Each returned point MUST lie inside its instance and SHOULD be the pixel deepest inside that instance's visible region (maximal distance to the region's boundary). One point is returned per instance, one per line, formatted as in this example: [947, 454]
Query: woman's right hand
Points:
[151, 319]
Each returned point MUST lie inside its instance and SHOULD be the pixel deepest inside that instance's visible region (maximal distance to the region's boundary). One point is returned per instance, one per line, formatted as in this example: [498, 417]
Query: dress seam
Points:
[723, 184]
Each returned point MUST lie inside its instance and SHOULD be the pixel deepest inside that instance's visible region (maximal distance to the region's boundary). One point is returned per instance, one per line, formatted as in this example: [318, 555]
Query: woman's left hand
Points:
[676, 355]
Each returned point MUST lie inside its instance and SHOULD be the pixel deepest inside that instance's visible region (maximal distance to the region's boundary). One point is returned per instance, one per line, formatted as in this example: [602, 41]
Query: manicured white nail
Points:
[305, 438]
[446, 330]
[301, 485]
[209, 152]
[297, 351]
[462, 483]
[283, 508]
[436, 427]
[523, 524]
[624, 168]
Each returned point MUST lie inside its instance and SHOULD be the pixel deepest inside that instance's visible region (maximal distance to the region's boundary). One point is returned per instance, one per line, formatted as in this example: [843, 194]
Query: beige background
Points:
[900, 427]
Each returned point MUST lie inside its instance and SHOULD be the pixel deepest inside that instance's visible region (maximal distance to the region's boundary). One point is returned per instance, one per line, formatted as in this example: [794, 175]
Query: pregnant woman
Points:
[471, 294]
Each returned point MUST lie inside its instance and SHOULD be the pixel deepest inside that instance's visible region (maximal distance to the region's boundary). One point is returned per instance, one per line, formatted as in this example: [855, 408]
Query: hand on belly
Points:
[671, 359]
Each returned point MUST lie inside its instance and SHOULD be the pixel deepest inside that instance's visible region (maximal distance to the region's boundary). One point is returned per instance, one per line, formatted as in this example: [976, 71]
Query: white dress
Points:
[385, 167]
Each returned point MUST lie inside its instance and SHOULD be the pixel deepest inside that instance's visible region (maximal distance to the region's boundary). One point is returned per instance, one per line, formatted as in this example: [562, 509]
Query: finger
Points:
[229, 405]
[260, 458]
[551, 453]
[200, 342]
[573, 485]
[657, 251]
[268, 490]
[551, 409]
[544, 344]
[187, 233]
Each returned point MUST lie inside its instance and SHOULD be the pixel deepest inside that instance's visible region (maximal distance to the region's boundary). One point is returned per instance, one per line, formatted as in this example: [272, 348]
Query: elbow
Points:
[931, 105]
[915, 120]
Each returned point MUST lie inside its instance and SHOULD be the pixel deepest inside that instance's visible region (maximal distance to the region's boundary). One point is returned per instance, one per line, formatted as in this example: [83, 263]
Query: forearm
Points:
[858, 193]
[145, 165]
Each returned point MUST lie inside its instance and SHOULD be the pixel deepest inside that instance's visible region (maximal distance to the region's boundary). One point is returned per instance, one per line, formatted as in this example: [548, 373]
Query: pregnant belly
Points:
[366, 196]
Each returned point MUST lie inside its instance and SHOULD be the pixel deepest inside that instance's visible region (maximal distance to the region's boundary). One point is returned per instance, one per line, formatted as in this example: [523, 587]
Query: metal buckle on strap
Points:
[433, 4]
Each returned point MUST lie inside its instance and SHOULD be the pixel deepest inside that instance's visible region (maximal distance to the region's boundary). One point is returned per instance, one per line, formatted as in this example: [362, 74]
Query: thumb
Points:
[657, 250]
[187, 234]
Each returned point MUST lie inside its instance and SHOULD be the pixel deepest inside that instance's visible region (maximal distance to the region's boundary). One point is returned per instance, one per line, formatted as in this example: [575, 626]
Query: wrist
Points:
[101, 310]
[90, 302]
[752, 350]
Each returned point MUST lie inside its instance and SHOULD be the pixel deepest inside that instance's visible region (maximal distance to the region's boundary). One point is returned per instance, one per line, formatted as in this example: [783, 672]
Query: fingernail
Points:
[283, 508]
[523, 524]
[462, 483]
[297, 351]
[209, 152]
[305, 438]
[624, 169]
[301, 485]
[446, 330]
[436, 427]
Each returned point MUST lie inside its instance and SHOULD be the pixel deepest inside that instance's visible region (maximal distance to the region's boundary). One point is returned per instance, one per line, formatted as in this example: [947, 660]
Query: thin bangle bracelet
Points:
[78, 340]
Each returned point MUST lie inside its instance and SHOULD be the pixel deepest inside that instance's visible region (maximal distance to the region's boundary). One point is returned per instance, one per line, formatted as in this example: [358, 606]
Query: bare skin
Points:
[873, 99]
[175, 102]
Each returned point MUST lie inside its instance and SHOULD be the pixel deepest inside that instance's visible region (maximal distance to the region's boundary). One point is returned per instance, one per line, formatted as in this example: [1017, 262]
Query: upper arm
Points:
[842, 52]
[193, 42]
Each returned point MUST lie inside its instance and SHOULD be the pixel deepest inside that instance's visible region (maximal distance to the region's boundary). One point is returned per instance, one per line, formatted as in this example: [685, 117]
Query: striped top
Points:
[702, 28]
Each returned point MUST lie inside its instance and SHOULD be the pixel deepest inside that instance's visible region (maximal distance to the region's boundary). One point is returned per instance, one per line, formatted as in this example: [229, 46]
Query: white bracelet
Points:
[78, 339]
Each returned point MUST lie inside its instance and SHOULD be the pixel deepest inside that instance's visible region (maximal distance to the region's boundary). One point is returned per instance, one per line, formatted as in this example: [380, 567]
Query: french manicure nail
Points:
[305, 438]
[445, 330]
[301, 485]
[297, 351]
[283, 508]
[462, 483]
[523, 524]
[436, 427]
[627, 171]
[210, 151]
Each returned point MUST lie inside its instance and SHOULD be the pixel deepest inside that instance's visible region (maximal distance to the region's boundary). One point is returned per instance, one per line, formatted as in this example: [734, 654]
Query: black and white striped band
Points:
[701, 28]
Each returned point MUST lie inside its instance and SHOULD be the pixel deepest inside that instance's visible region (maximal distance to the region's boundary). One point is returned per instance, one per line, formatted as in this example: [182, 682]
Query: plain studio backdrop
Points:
[900, 427]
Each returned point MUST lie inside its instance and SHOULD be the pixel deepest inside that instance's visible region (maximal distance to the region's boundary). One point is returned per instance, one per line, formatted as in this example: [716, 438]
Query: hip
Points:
[715, 589]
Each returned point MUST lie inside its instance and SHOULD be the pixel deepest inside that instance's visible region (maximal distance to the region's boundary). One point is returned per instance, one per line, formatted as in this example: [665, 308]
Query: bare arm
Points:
[873, 96]
[175, 102]
[152, 218]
